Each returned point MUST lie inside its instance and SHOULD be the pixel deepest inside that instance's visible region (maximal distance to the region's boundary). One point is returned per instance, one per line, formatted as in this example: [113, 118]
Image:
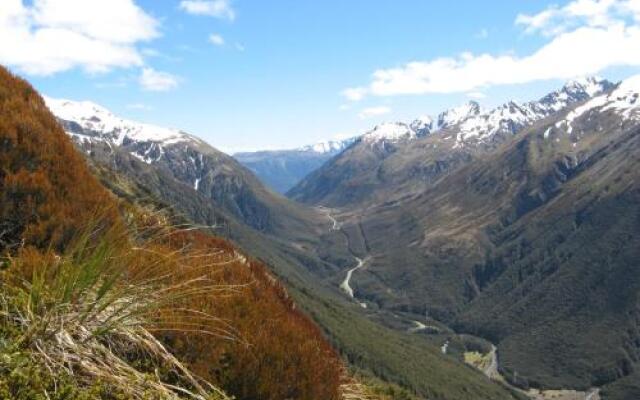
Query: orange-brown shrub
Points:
[246, 337]
[273, 351]
[46, 190]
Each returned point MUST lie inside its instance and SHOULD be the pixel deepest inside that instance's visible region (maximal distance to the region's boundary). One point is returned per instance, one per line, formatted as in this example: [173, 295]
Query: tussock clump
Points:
[87, 315]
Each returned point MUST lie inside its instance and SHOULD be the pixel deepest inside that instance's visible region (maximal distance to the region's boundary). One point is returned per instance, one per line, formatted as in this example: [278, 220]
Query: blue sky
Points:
[250, 74]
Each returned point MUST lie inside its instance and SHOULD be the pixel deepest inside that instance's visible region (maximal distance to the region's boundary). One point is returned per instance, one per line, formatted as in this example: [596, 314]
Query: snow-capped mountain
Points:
[391, 132]
[282, 169]
[107, 138]
[511, 117]
[396, 153]
[474, 125]
[328, 147]
[422, 125]
[457, 115]
[623, 101]
[87, 121]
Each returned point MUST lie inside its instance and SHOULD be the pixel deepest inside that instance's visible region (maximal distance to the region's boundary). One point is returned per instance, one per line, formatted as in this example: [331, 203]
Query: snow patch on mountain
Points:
[85, 121]
[108, 127]
[422, 125]
[591, 86]
[389, 132]
[511, 117]
[457, 115]
[624, 100]
[328, 147]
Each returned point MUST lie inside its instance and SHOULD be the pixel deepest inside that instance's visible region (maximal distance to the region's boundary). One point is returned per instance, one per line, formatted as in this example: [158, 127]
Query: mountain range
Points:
[518, 224]
[390, 156]
[169, 169]
[515, 227]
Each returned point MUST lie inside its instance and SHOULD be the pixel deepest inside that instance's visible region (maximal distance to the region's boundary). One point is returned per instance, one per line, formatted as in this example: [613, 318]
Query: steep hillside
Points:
[187, 159]
[41, 200]
[401, 159]
[533, 245]
[87, 278]
[282, 169]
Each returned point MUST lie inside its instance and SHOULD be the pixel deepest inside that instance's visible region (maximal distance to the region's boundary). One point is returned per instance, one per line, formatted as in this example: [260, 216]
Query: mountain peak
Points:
[624, 100]
[94, 118]
[574, 91]
[456, 115]
[591, 86]
[389, 131]
[328, 146]
[76, 109]
[422, 125]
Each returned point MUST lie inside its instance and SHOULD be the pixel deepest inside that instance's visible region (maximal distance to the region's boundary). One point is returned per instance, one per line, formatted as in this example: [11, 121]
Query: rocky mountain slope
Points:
[282, 169]
[524, 232]
[403, 158]
[183, 157]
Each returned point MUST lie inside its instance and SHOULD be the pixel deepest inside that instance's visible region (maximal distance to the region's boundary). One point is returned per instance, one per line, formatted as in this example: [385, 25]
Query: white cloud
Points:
[216, 39]
[49, 36]
[157, 81]
[592, 13]
[139, 106]
[534, 23]
[354, 94]
[212, 8]
[373, 112]
[585, 37]
[240, 47]
[149, 52]
[482, 34]
[476, 95]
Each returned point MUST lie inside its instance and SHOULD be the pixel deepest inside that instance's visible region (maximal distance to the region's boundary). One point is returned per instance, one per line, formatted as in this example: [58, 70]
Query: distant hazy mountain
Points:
[282, 169]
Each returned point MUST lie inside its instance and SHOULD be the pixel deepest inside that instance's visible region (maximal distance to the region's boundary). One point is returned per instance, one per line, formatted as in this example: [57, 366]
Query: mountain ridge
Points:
[283, 169]
[528, 238]
[457, 136]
